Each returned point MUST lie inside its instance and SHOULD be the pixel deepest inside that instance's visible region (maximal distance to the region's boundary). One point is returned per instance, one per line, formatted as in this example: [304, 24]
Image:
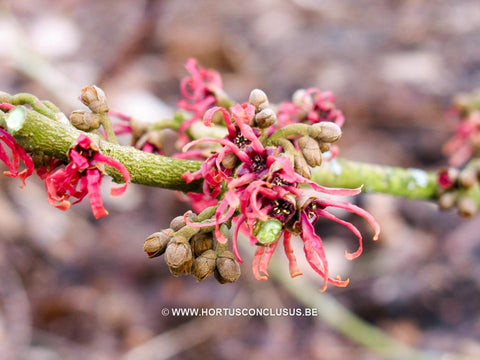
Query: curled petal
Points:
[256, 263]
[237, 225]
[94, 179]
[292, 260]
[18, 153]
[227, 143]
[267, 257]
[351, 227]
[119, 190]
[355, 210]
[315, 254]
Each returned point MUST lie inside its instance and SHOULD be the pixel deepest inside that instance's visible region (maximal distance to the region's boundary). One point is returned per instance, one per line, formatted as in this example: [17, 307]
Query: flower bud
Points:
[325, 131]
[447, 200]
[310, 150]
[94, 98]
[324, 147]
[84, 120]
[177, 223]
[201, 242]
[156, 243]
[229, 161]
[301, 167]
[178, 256]
[299, 98]
[227, 268]
[265, 118]
[204, 265]
[259, 99]
[467, 206]
[467, 178]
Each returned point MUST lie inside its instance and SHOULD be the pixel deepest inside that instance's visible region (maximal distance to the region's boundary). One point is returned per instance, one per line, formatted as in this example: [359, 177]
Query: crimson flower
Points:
[312, 105]
[18, 155]
[82, 176]
[198, 91]
[466, 140]
[262, 189]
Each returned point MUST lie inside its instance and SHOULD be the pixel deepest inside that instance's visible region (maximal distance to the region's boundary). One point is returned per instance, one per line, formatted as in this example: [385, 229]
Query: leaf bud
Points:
[177, 223]
[301, 166]
[201, 242]
[85, 120]
[156, 243]
[204, 265]
[227, 268]
[310, 150]
[259, 99]
[94, 97]
[265, 118]
[178, 256]
[325, 131]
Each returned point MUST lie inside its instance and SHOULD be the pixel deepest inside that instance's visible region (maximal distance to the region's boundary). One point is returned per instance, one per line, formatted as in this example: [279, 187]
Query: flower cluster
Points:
[81, 176]
[260, 191]
[256, 178]
[466, 141]
[83, 173]
[310, 105]
[454, 185]
[200, 91]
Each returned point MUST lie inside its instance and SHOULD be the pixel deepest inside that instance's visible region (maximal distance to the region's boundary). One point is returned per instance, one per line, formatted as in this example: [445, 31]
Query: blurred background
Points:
[73, 287]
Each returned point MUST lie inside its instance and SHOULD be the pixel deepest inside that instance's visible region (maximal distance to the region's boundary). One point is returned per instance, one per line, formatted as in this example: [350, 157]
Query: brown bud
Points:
[467, 206]
[85, 120]
[94, 98]
[447, 200]
[324, 147]
[227, 268]
[229, 161]
[310, 150]
[301, 167]
[467, 178]
[325, 131]
[178, 256]
[299, 97]
[201, 242]
[156, 243]
[177, 223]
[204, 265]
[4, 97]
[265, 118]
[259, 99]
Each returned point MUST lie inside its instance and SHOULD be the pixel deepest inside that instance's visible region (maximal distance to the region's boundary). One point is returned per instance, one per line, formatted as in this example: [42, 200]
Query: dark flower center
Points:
[241, 141]
[259, 163]
[282, 210]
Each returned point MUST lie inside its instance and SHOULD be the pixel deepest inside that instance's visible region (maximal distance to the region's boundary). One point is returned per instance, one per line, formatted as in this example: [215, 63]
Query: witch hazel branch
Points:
[255, 172]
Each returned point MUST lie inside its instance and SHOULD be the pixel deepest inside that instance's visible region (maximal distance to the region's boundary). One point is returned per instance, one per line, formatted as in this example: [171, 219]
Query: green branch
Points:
[40, 134]
[408, 183]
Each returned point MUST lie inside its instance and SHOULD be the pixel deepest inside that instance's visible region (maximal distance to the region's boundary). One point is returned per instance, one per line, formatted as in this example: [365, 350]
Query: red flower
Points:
[264, 186]
[466, 140]
[82, 176]
[17, 154]
[313, 105]
[198, 91]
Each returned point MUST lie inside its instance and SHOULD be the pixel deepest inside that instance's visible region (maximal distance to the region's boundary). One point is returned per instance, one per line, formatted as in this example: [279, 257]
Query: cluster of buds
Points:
[94, 98]
[188, 250]
[454, 186]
